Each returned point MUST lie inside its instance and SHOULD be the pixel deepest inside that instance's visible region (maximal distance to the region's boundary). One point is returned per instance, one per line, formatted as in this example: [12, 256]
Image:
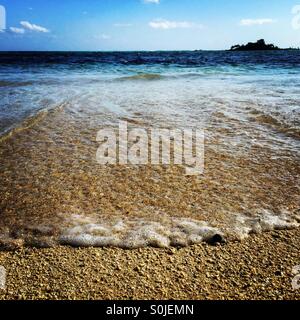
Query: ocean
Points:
[52, 105]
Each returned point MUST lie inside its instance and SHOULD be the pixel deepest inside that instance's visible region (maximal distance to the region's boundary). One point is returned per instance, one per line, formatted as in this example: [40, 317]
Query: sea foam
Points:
[263, 222]
[137, 233]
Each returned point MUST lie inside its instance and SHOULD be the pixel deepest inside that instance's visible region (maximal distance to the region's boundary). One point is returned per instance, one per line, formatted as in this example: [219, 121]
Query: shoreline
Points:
[259, 267]
[54, 191]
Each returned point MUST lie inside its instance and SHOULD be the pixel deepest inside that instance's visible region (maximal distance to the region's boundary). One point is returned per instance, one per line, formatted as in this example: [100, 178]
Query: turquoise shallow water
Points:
[183, 88]
[33, 81]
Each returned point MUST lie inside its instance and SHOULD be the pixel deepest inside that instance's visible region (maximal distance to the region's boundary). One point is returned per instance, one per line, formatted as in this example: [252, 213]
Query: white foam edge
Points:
[137, 233]
[263, 221]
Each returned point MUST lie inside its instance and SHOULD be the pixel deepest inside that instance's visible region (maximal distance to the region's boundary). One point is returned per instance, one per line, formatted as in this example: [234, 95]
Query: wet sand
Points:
[260, 267]
[53, 191]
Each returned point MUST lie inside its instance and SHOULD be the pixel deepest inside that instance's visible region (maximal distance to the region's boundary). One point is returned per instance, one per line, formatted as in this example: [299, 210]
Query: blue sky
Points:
[146, 24]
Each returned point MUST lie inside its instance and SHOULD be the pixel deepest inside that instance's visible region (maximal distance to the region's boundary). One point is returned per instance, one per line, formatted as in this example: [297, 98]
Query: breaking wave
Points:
[281, 125]
[143, 76]
[15, 83]
[29, 122]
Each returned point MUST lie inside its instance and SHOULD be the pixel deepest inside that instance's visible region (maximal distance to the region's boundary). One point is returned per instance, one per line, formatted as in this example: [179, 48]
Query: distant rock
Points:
[252, 46]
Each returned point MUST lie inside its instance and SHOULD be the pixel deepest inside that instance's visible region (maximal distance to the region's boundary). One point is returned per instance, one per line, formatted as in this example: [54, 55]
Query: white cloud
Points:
[33, 27]
[123, 25]
[166, 24]
[105, 36]
[256, 22]
[152, 1]
[17, 30]
[102, 37]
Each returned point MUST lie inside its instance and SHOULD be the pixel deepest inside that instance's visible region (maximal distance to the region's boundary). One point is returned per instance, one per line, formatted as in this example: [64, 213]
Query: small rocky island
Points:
[253, 46]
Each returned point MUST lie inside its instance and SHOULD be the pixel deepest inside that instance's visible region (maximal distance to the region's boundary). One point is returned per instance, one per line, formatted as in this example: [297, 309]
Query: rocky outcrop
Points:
[253, 46]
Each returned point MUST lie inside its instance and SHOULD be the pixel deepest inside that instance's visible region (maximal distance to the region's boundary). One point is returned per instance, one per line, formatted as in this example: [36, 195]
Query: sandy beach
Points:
[260, 267]
[74, 227]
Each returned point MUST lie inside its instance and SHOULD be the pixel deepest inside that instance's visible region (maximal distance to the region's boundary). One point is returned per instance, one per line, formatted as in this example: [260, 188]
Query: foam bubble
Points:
[137, 233]
[263, 222]
[88, 240]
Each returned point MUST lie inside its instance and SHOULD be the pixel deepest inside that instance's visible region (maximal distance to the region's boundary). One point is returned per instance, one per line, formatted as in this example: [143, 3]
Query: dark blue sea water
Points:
[285, 59]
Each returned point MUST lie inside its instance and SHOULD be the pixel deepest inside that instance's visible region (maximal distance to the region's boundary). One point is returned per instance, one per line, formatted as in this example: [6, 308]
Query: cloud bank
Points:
[166, 24]
[17, 30]
[33, 27]
[151, 1]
